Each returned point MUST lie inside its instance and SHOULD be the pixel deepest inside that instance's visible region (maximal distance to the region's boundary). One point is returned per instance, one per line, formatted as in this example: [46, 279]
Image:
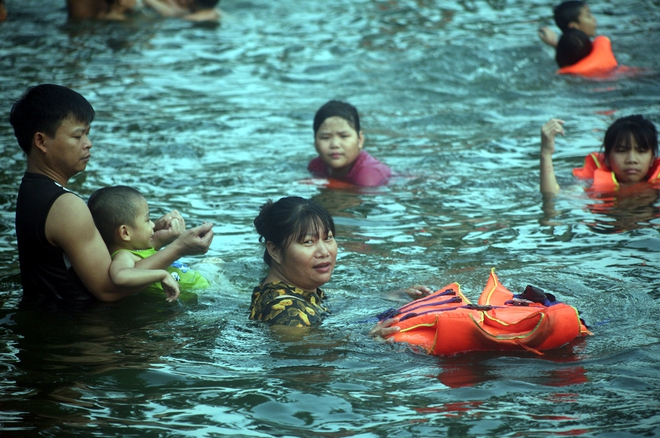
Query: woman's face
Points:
[338, 145]
[307, 264]
[630, 162]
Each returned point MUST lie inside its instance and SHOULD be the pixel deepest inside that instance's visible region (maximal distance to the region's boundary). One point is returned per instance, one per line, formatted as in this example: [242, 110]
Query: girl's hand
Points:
[548, 133]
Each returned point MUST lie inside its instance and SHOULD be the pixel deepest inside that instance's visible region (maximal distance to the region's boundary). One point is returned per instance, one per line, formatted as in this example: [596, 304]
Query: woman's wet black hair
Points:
[336, 108]
[291, 219]
[636, 127]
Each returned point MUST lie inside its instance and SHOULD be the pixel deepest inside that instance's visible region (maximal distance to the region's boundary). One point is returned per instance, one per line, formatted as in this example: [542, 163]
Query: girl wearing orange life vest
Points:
[630, 156]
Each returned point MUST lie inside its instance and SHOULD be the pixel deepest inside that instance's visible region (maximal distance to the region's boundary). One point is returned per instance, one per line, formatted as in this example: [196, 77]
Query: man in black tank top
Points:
[61, 253]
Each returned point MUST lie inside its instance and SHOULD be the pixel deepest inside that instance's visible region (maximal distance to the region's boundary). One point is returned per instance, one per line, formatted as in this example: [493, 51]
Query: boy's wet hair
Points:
[568, 12]
[291, 219]
[573, 46]
[43, 108]
[634, 127]
[336, 108]
[112, 207]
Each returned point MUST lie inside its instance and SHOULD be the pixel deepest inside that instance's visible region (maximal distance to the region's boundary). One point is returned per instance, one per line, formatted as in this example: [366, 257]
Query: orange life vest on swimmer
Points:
[604, 179]
[447, 323]
[600, 60]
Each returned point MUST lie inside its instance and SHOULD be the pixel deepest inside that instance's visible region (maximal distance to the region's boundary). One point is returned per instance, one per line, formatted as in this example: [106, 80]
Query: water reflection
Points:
[473, 369]
[626, 210]
[56, 351]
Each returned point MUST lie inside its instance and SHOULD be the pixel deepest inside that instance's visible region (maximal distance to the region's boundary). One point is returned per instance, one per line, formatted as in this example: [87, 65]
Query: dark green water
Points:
[213, 120]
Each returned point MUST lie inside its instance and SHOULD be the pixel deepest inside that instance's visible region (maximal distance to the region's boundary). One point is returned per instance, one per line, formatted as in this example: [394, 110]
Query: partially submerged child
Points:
[575, 52]
[629, 157]
[192, 10]
[570, 15]
[339, 141]
[121, 215]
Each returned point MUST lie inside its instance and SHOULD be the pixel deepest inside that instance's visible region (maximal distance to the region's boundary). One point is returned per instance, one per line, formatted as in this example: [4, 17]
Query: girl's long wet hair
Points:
[631, 127]
[291, 219]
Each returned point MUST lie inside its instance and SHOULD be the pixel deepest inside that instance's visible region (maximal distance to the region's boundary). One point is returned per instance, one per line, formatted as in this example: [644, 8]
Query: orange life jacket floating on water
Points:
[600, 61]
[604, 179]
[447, 323]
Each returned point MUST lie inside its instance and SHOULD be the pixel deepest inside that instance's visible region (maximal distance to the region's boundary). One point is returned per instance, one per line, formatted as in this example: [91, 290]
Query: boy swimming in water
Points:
[191, 10]
[121, 215]
[570, 15]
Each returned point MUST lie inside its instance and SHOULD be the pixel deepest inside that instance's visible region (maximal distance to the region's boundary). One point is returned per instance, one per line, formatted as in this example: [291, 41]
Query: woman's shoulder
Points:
[279, 290]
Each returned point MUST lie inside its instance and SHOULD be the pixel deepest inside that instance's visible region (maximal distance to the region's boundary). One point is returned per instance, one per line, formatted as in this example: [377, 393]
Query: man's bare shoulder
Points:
[69, 218]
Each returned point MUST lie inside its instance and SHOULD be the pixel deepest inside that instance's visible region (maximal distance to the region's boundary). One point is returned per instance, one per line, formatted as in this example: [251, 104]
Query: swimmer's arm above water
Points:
[548, 133]
[168, 228]
[124, 273]
[193, 241]
[548, 36]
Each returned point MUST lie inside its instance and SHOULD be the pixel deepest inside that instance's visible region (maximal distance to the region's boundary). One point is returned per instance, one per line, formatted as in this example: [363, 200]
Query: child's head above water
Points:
[337, 136]
[575, 15]
[573, 46]
[121, 214]
[335, 108]
[630, 146]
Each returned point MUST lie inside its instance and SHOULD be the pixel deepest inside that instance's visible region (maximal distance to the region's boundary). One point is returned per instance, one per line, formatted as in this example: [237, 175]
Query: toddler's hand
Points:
[168, 228]
[170, 287]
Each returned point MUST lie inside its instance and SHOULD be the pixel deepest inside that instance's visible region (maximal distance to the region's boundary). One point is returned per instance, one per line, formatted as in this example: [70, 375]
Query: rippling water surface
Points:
[213, 120]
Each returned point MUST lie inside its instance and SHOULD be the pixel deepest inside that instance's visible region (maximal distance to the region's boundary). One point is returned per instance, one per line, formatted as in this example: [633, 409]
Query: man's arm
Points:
[191, 242]
[70, 226]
